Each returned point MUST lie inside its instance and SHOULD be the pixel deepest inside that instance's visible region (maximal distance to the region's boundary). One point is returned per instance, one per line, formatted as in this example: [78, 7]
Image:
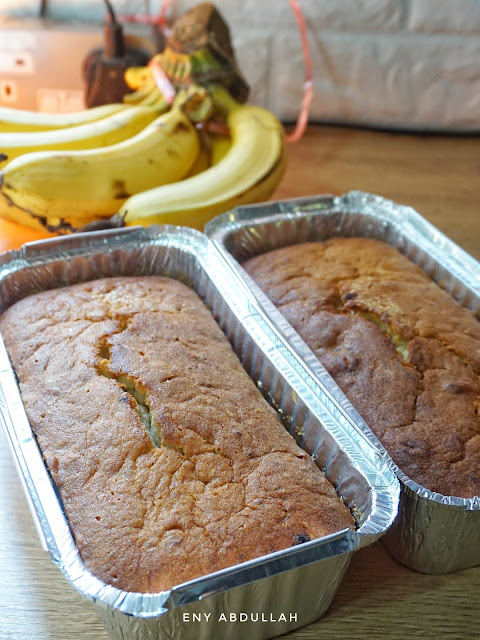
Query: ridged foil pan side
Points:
[300, 581]
[433, 533]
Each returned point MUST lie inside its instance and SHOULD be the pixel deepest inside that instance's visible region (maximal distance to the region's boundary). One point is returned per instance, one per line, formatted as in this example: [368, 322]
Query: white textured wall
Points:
[397, 63]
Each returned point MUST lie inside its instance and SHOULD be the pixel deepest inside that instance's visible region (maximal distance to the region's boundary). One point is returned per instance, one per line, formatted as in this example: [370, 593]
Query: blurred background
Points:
[396, 64]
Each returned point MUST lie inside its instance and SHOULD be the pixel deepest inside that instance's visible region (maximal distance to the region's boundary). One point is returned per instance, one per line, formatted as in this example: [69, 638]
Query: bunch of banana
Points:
[157, 176]
[247, 169]
[61, 191]
[104, 132]
[205, 153]
[17, 120]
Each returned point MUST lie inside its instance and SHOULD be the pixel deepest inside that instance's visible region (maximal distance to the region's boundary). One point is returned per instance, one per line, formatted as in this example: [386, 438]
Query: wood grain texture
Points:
[439, 176]
[378, 598]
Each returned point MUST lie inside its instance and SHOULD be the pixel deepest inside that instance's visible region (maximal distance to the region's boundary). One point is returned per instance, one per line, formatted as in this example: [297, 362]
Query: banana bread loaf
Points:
[169, 462]
[402, 350]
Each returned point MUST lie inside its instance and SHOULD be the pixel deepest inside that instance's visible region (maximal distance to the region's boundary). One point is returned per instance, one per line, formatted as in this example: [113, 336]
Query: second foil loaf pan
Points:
[433, 533]
[271, 594]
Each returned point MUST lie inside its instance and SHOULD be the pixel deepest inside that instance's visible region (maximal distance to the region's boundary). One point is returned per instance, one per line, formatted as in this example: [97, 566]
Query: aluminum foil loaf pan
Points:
[261, 598]
[433, 533]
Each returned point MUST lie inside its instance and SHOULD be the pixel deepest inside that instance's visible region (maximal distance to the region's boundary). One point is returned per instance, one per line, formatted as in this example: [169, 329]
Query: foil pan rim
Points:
[57, 249]
[380, 208]
[391, 212]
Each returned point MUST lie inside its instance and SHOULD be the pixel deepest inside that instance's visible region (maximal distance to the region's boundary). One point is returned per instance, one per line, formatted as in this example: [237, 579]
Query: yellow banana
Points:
[136, 76]
[160, 104]
[249, 172]
[202, 162]
[100, 133]
[221, 145]
[62, 191]
[141, 93]
[155, 98]
[212, 150]
[23, 120]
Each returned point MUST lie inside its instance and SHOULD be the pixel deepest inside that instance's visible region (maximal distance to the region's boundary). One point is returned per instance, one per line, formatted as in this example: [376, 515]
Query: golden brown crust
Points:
[404, 352]
[101, 363]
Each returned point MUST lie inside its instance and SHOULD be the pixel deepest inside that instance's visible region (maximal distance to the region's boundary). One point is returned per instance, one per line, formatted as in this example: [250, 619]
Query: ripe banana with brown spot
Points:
[100, 133]
[135, 77]
[249, 172]
[24, 120]
[63, 191]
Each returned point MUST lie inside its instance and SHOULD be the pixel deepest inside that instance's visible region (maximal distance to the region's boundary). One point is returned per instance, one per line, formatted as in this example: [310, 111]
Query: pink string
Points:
[302, 120]
[162, 81]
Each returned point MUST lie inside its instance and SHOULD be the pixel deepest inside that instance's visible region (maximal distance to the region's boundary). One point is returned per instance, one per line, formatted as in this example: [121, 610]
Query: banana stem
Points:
[223, 99]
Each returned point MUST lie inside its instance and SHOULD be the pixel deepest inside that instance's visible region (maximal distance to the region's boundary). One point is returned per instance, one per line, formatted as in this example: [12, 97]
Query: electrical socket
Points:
[8, 92]
[40, 60]
[12, 62]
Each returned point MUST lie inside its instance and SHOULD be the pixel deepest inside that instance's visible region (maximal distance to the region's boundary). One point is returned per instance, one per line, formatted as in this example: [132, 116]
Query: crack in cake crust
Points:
[137, 394]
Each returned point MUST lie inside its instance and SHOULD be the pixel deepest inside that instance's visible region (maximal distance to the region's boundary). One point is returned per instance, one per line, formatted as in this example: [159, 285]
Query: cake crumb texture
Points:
[402, 350]
[169, 462]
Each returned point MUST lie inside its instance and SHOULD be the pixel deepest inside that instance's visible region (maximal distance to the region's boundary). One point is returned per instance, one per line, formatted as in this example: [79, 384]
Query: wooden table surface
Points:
[378, 598]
